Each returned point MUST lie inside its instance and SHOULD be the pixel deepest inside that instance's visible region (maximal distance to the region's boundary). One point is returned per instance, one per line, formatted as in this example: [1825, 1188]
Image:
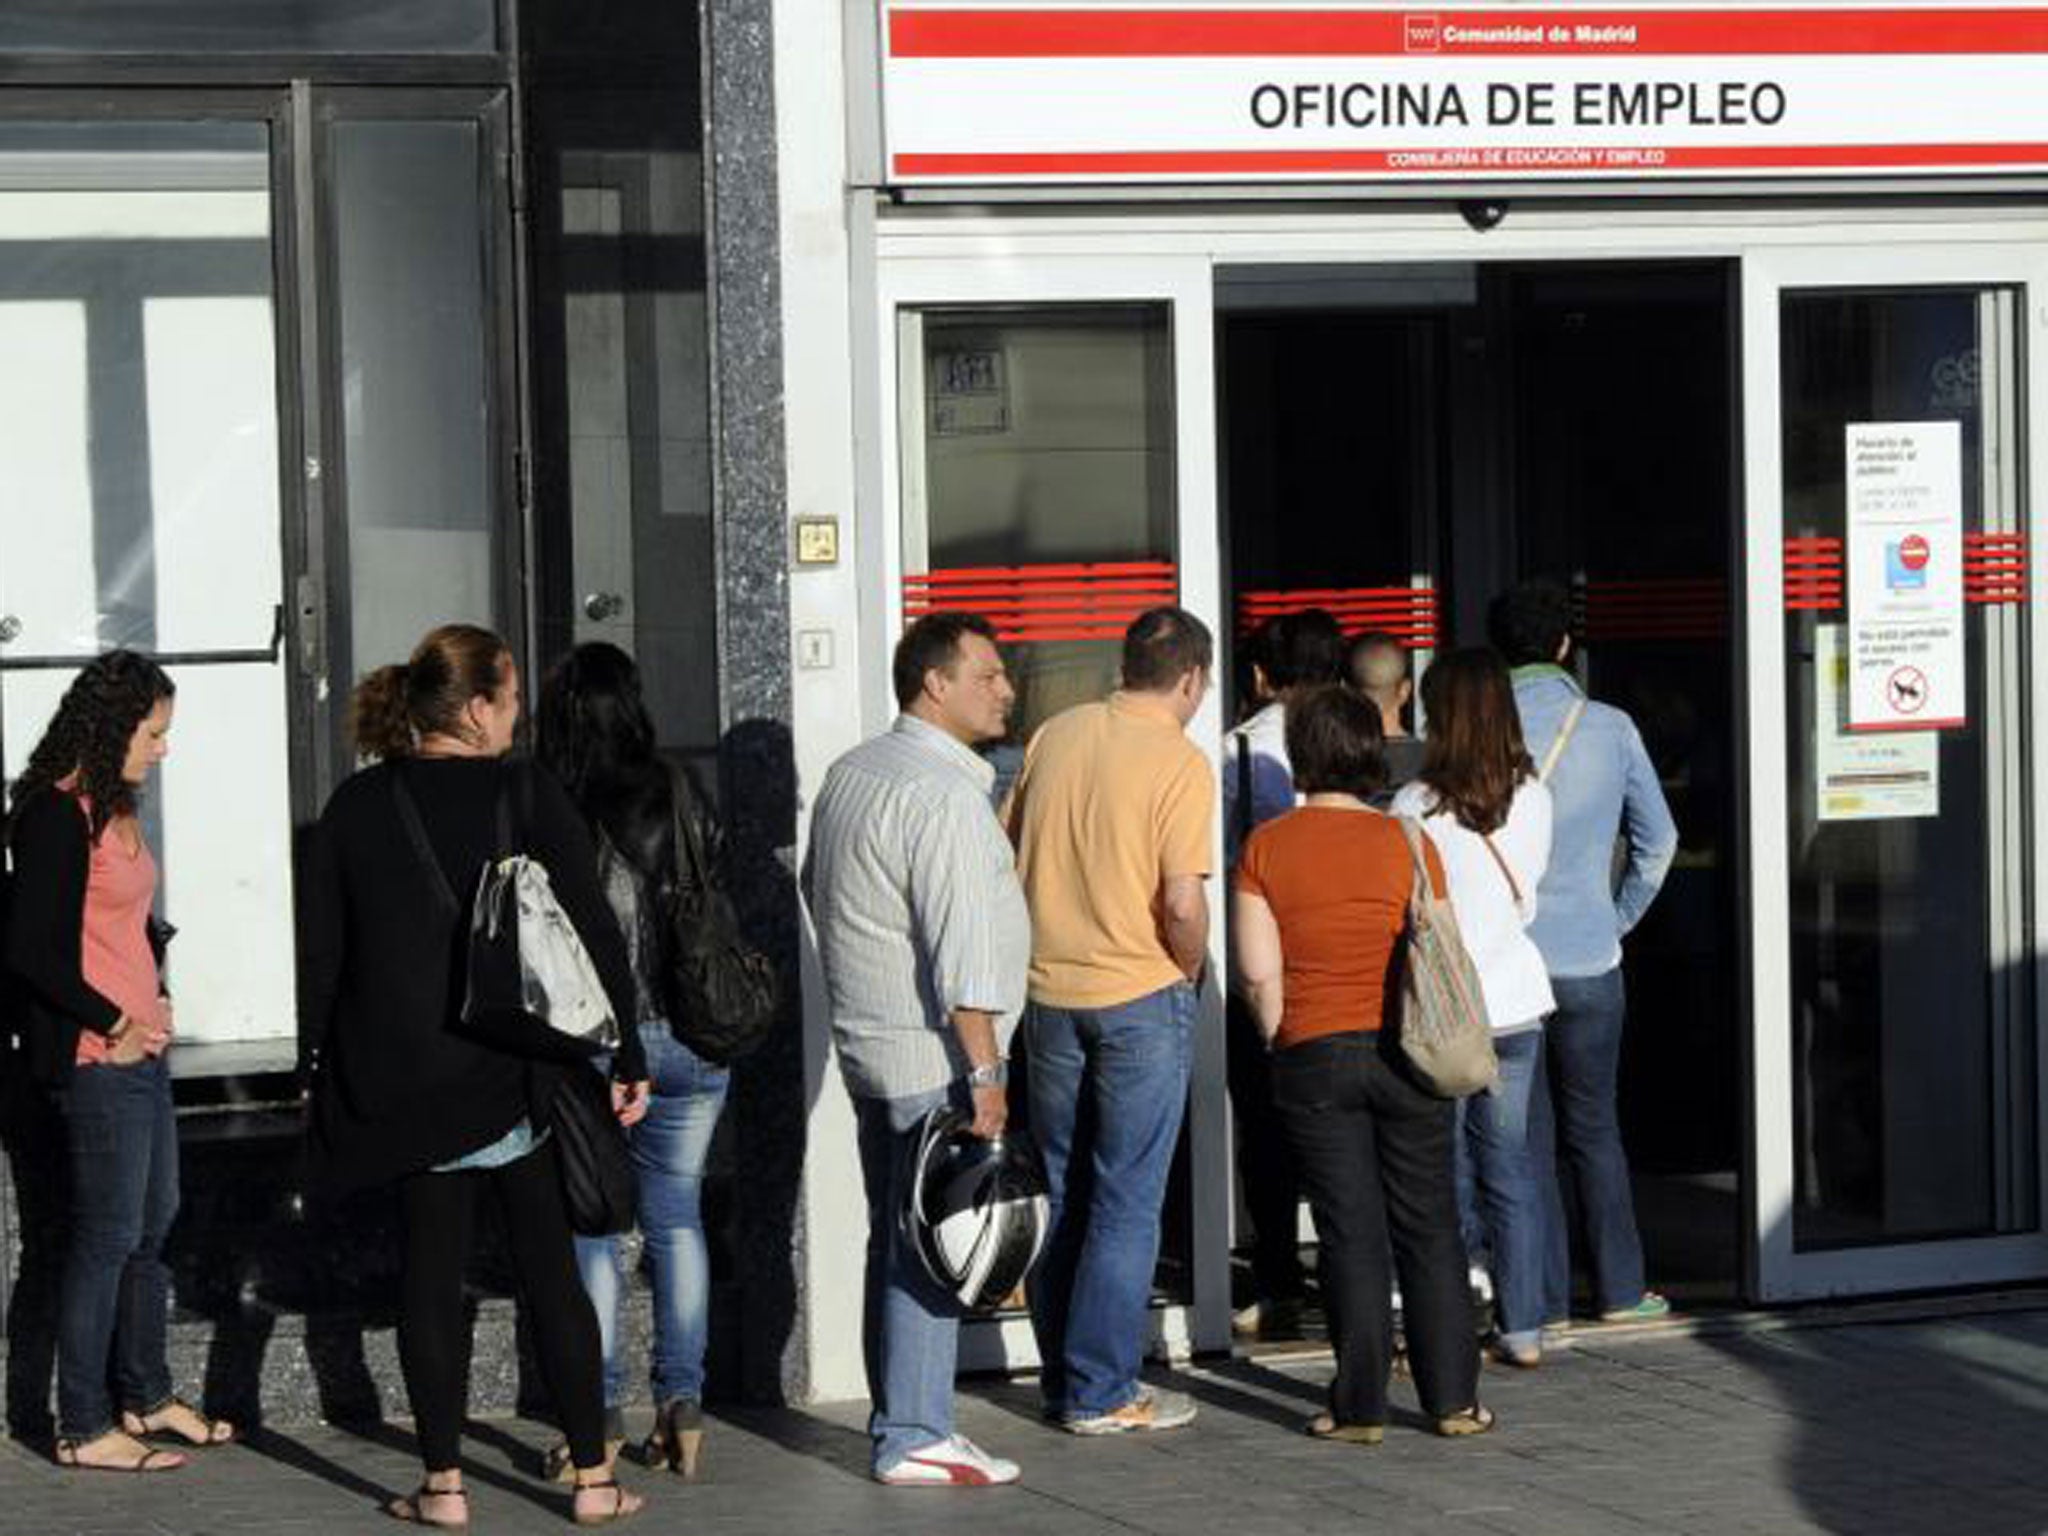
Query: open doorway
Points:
[1399, 444]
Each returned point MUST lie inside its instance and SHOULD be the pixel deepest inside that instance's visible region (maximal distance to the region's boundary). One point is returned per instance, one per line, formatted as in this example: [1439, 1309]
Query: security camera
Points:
[1482, 215]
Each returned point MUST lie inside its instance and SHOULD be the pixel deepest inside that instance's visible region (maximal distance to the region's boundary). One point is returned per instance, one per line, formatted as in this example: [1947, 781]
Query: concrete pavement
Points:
[1937, 1425]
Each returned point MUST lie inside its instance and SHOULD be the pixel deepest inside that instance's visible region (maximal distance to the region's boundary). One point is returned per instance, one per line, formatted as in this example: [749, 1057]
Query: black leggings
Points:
[433, 1327]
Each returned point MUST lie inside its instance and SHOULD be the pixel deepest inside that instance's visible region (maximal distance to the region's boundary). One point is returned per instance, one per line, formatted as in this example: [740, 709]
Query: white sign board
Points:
[1865, 776]
[1905, 566]
[1207, 91]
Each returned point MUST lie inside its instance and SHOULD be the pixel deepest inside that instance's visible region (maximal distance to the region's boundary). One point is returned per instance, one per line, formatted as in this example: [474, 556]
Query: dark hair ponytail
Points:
[377, 720]
[393, 707]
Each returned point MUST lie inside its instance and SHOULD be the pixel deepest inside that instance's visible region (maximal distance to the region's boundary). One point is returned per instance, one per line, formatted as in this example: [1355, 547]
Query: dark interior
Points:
[1477, 425]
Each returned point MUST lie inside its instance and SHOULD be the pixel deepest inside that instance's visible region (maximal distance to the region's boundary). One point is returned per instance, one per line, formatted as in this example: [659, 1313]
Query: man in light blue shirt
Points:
[1603, 787]
[924, 941]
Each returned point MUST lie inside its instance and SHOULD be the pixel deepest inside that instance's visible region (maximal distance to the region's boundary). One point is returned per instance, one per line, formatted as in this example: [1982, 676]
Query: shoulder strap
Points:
[1514, 885]
[1564, 734]
[1412, 834]
[1244, 786]
[516, 779]
[692, 865]
[416, 833]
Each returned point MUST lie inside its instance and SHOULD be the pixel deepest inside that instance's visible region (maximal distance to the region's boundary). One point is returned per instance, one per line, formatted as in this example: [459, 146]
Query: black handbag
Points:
[596, 1160]
[723, 994]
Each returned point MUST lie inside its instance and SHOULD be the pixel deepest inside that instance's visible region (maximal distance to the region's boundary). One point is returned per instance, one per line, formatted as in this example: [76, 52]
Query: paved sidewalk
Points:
[1937, 1426]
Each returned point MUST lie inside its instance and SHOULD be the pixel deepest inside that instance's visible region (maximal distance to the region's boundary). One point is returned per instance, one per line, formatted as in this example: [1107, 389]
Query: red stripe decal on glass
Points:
[1408, 614]
[1813, 574]
[1994, 568]
[1656, 608]
[1046, 602]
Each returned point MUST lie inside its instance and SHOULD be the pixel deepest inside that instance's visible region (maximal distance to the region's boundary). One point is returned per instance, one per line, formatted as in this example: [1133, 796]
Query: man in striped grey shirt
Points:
[925, 942]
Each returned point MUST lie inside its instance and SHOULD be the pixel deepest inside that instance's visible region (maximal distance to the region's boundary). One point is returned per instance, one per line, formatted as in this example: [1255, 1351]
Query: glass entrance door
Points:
[141, 505]
[1894, 788]
[254, 420]
[1050, 465]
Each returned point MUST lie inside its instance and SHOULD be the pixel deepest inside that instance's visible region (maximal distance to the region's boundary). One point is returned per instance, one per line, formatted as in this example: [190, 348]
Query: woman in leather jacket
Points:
[594, 734]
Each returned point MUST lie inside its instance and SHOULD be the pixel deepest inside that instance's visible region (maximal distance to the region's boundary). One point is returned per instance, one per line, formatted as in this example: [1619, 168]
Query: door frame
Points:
[1184, 288]
[935, 253]
[1777, 1271]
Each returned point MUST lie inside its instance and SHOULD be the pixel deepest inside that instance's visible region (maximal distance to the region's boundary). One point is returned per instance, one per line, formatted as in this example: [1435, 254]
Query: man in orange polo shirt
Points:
[1113, 817]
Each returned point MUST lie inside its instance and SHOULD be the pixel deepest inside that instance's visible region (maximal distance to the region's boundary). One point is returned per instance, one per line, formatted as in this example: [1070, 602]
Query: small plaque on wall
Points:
[817, 541]
[970, 392]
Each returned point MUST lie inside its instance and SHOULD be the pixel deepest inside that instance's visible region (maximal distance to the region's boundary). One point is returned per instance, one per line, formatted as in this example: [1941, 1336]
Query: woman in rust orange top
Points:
[81, 939]
[1317, 920]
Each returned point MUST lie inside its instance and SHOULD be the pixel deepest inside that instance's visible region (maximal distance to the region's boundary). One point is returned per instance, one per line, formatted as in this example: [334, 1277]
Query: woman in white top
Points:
[1480, 801]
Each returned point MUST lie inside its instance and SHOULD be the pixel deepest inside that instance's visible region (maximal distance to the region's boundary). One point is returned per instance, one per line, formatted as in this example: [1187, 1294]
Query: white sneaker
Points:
[955, 1462]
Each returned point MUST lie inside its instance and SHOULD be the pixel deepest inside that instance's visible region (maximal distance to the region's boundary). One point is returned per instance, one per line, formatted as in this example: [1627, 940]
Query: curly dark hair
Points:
[89, 735]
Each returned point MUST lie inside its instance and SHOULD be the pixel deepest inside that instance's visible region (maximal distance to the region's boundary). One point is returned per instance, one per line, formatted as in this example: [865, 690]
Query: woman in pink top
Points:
[84, 943]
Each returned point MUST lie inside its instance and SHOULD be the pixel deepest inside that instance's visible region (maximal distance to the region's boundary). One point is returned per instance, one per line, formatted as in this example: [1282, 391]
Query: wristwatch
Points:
[995, 1075]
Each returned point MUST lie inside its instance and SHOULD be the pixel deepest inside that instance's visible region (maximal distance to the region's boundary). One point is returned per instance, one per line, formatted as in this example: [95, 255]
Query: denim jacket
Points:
[1602, 785]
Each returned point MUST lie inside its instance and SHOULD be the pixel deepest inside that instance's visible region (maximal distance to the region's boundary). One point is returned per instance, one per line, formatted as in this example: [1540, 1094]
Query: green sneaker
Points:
[1648, 1310]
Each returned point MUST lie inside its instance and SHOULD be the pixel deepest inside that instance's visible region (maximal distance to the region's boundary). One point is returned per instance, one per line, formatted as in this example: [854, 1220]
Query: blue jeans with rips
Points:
[1585, 1066]
[1501, 1195]
[1108, 1088]
[910, 1327]
[669, 1148]
[123, 1145]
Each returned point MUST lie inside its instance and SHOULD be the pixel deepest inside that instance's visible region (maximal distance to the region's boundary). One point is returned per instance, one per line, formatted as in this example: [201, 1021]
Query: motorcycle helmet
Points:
[976, 1210]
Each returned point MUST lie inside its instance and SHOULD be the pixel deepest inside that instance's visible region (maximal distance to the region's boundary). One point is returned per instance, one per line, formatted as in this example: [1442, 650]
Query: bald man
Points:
[1376, 666]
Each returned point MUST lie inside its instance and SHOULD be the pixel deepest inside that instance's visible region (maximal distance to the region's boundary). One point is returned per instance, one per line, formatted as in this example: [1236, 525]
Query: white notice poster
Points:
[1865, 777]
[1905, 558]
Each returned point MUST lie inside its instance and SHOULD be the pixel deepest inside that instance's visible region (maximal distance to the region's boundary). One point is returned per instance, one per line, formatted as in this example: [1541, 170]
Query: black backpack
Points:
[722, 993]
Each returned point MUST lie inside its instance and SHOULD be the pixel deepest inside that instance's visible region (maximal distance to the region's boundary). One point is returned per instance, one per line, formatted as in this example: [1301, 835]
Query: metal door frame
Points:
[1777, 1271]
[1185, 289]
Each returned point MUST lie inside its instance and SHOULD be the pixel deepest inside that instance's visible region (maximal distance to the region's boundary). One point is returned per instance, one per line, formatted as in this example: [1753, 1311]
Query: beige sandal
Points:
[677, 1439]
[412, 1508]
[1325, 1427]
[621, 1509]
[140, 1457]
[211, 1432]
[1476, 1420]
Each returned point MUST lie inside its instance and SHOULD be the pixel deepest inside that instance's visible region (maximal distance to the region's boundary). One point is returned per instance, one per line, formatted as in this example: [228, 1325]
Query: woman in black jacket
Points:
[401, 1093]
[594, 734]
[82, 941]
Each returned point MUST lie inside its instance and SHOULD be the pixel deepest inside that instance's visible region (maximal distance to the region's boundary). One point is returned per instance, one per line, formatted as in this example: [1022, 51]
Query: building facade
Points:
[739, 331]
[1730, 318]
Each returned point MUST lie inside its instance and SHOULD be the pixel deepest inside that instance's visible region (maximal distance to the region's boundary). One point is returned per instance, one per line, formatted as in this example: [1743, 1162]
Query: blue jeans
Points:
[669, 1148]
[1501, 1196]
[117, 1290]
[1585, 1063]
[910, 1328]
[1108, 1087]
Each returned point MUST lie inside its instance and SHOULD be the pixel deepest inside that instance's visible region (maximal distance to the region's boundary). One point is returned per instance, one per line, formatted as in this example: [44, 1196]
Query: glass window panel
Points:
[1913, 1022]
[248, 26]
[1048, 440]
[632, 368]
[140, 505]
[411, 226]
